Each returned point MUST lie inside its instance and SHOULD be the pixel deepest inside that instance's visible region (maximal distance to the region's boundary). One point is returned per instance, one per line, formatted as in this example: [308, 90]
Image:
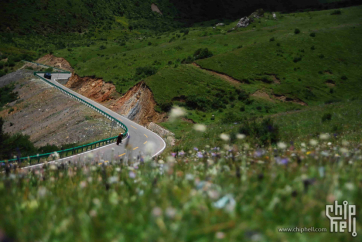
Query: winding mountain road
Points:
[140, 141]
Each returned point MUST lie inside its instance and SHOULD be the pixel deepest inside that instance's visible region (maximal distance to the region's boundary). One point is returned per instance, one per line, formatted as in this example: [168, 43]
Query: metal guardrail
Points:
[79, 149]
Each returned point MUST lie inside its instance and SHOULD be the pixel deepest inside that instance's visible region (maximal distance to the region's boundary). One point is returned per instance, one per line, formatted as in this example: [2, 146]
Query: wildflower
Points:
[170, 212]
[343, 150]
[113, 198]
[53, 167]
[345, 143]
[199, 155]
[157, 212]
[42, 192]
[90, 155]
[176, 112]
[281, 145]
[220, 235]
[150, 147]
[132, 174]
[113, 179]
[200, 127]
[324, 136]
[118, 169]
[313, 142]
[240, 136]
[83, 184]
[96, 202]
[227, 202]
[173, 154]
[329, 143]
[213, 194]
[349, 186]
[224, 137]
[93, 213]
[195, 148]
[181, 153]
[189, 177]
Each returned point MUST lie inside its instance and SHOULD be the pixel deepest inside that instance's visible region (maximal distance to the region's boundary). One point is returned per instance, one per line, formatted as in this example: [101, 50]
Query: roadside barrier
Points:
[76, 150]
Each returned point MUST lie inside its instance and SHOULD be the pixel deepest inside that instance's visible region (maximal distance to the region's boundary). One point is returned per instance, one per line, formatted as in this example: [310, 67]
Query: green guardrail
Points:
[79, 149]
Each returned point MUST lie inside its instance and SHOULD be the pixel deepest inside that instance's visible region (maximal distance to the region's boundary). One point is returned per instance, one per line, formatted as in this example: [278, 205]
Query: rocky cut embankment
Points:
[137, 104]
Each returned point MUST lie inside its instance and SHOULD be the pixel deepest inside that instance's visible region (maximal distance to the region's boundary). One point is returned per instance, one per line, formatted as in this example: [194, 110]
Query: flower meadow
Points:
[236, 192]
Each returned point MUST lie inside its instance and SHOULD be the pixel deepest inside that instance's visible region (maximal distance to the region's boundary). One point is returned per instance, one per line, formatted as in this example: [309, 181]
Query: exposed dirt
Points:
[137, 104]
[154, 8]
[287, 99]
[276, 80]
[262, 94]
[221, 75]
[48, 116]
[58, 62]
[330, 83]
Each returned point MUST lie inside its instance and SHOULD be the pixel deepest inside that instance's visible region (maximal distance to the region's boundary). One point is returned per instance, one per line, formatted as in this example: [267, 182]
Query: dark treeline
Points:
[200, 10]
[32, 16]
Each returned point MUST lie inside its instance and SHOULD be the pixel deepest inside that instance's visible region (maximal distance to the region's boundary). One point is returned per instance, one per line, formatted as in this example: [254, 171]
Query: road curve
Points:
[140, 141]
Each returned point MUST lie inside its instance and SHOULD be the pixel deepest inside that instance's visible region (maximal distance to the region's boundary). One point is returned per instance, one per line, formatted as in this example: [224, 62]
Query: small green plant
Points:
[296, 31]
[344, 78]
[272, 39]
[326, 117]
[312, 35]
[336, 12]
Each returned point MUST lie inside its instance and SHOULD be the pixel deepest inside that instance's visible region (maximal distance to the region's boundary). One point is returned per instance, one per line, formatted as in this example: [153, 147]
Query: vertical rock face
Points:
[93, 88]
[137, 104]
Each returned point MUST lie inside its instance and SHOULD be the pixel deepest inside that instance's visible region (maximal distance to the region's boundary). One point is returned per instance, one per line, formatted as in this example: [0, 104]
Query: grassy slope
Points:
[337, 39]
[293, 126]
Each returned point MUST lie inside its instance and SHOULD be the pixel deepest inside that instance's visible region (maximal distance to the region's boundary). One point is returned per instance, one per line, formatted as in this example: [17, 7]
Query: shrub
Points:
[239, 47]
[1, 65]
[312, 35]
[143, 72]
[2, 73]
[336, 12]
[297, 59]
[278, 44]
[296, 31]
[242, 108]
[266, 132]
[312, 48]
[321, 56]
[102, 47]
[344, 77]
[326, 117]
[202, 53]
[149, 43]
[50, 69]
[272, 39]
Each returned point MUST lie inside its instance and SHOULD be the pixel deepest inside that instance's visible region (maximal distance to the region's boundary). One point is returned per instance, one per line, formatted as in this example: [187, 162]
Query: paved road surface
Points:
[140, 140]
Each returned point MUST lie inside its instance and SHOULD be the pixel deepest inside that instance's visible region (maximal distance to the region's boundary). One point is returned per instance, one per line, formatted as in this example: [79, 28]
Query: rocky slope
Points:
[58, 62]
[137, 104]
[49, 116]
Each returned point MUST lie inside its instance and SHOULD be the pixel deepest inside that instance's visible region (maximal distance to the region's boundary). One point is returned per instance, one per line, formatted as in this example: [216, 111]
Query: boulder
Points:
[257, 14]
[220, 24]
[243, 22]
[274, 16]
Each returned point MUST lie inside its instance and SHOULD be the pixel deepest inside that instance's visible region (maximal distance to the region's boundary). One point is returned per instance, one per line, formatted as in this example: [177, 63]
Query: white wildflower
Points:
[240, 136]
[176, 112]
[200, 127]
[42, 192]
[224, 137]
[220, 235]
[324, 136]
[349, 186]
[313, 142]
[281, 145]
[170, 212]
[345, 143]
[157, 212]
[83, 184]
[113, 179]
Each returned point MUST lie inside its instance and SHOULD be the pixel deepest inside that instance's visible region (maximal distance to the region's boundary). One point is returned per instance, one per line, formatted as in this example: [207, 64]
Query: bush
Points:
[321, 56]
[272, 39]
[202, 54]
[326, 117]
[149, 43]
[336, 12]
[239, 47]
[344, 77]
[265, 132]
[102, 47]
[312, 35]
[296, 31]
[2, 73]
[312, 48]
[297, 59]
[50, 69]
[143, 72]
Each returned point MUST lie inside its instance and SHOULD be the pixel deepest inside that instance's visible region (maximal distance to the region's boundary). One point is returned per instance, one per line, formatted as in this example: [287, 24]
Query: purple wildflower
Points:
[195, 148]
[132, 175]
[199, 154]
[173, 154]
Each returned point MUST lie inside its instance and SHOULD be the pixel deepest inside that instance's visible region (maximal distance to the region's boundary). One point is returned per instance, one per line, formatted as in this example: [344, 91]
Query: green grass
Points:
[213, 198]
[294, 126]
